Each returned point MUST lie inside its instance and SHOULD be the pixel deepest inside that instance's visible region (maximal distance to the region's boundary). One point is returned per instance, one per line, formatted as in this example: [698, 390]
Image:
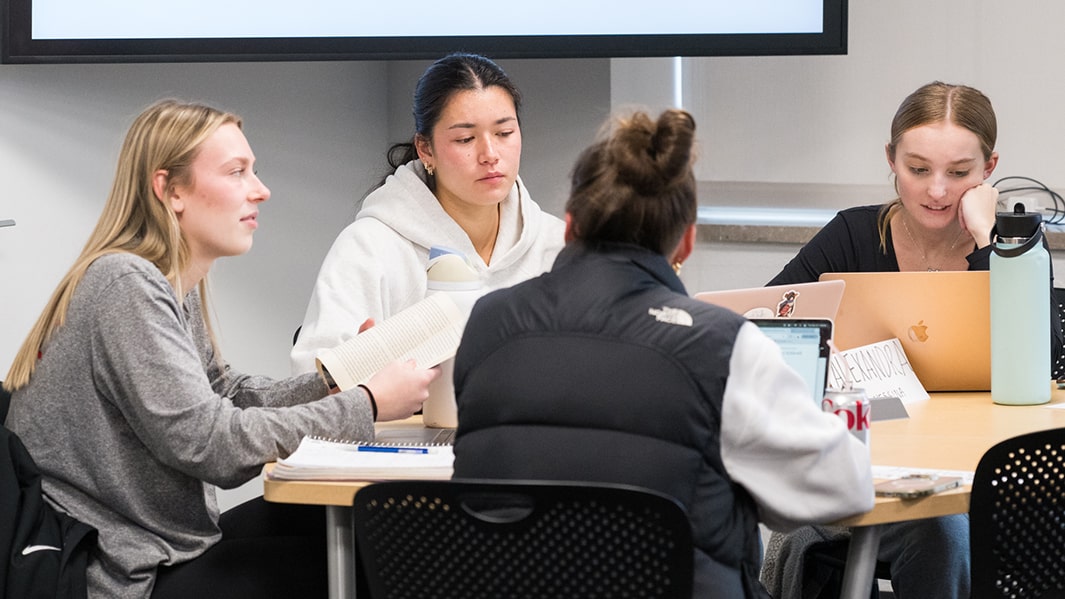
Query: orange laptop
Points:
[942, 319]
[804, 300]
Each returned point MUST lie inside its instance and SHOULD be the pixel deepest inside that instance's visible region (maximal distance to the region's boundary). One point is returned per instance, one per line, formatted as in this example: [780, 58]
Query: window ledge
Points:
[795, 226]
[759, 225]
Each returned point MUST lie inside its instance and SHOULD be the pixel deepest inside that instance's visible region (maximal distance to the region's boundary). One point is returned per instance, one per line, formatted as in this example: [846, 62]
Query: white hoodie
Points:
[377, 264]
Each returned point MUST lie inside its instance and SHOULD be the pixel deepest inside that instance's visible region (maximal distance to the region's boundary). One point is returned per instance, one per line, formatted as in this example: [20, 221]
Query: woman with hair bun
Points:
[603, 369]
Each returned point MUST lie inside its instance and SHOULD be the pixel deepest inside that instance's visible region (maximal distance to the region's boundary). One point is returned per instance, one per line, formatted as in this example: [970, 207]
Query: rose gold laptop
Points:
[942, 319]
[804, 300]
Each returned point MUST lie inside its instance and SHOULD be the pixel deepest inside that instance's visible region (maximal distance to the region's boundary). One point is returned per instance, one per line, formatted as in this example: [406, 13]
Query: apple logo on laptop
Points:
[919, 332]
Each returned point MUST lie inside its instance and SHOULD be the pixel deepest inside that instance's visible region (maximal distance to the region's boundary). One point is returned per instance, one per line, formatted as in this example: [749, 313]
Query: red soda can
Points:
[852, 406]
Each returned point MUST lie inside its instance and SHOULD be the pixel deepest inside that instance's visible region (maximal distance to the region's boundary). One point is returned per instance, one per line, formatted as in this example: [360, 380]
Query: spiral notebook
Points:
[331, 459]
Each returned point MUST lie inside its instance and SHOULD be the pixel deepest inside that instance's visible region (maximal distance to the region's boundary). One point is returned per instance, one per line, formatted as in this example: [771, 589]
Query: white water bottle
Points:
[449, 271]
[1020, 309]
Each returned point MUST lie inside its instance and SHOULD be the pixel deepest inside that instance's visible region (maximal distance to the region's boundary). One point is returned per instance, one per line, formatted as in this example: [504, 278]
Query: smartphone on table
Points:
[912, 486]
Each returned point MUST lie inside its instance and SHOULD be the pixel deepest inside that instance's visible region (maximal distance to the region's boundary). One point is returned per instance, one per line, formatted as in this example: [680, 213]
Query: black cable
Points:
[1056, 212]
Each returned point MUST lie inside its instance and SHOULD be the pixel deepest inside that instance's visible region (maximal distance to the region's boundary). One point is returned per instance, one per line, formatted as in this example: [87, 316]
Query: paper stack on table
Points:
[322, 459]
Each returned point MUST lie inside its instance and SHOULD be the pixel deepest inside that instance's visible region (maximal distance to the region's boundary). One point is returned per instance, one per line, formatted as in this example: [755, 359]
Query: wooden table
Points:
[337, 497]
[950, 431]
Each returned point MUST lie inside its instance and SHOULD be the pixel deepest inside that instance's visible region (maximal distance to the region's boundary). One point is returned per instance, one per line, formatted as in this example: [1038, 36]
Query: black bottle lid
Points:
[1017, 223]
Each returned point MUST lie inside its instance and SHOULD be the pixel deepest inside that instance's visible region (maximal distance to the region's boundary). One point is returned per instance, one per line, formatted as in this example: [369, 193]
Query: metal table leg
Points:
[340, 549]
[861, 562]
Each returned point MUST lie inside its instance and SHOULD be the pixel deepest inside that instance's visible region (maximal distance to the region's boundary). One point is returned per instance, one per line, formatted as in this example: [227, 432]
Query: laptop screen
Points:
[804, 345]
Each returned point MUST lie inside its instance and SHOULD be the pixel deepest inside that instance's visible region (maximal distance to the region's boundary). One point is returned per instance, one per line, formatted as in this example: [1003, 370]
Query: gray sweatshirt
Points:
[133, 422]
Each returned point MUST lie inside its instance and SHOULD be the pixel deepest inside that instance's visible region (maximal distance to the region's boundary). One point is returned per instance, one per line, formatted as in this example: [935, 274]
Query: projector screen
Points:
[36, 31]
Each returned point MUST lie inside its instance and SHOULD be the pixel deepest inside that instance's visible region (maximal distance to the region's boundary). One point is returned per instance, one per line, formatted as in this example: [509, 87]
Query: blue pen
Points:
[379, 449]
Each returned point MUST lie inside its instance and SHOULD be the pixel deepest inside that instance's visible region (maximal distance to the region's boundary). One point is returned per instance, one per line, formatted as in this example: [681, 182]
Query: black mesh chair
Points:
[1057, 354]
[515, 539]
[1017, 519]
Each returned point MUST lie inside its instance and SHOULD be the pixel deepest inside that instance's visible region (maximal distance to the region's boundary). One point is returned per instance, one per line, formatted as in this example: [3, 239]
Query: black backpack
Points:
[43, 552]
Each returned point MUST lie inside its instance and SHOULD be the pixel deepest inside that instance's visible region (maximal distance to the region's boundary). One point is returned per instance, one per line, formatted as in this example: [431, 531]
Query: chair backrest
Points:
[487, 539]
[1017, 518]
[1057, 352]
[5, 403]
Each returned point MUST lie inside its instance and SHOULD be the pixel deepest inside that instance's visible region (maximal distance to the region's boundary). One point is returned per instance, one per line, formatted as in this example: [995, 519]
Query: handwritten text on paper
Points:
[881, 369]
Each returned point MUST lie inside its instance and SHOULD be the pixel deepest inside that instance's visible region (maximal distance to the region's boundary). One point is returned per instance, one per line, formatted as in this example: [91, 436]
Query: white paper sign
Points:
[881, 369]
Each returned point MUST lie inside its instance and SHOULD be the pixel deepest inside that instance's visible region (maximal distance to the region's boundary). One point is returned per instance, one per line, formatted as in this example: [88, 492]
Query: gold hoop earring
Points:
[429, 169]
[677, 266]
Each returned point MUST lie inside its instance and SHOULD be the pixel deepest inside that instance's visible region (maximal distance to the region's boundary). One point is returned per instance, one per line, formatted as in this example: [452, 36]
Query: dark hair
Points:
[636, 185]
[443, 79]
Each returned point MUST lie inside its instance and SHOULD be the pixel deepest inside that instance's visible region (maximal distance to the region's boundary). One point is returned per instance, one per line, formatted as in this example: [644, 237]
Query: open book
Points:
[322, 459]
[427, 332]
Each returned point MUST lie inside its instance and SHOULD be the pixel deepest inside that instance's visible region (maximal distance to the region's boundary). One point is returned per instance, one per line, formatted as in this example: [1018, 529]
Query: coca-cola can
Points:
[852, 406]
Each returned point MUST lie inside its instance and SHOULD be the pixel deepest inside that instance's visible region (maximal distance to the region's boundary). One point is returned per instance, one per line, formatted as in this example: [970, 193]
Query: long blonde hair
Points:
[937, 102]
[165, 136]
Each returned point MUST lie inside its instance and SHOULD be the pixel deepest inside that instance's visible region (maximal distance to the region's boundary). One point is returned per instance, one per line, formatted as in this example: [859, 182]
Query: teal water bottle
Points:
[1020, 309]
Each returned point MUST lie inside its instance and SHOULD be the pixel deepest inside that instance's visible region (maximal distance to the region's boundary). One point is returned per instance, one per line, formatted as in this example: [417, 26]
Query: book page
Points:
[427, 332]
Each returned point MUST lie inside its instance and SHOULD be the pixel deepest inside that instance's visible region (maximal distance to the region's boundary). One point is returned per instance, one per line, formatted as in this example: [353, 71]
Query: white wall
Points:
[825, 119]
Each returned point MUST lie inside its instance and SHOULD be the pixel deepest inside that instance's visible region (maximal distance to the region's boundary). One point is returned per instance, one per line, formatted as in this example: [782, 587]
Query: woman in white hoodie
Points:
[455, 185]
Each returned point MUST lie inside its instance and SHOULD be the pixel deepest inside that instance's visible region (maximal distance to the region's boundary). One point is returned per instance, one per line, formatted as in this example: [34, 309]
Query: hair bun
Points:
[636, 185]
[651, 156]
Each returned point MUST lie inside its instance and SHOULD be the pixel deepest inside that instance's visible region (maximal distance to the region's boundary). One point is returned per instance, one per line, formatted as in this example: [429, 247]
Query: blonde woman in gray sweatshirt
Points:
[122, 398]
